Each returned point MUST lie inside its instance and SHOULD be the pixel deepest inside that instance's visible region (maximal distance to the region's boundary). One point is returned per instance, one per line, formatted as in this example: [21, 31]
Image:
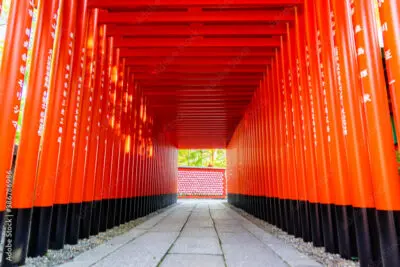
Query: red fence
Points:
[194, 182]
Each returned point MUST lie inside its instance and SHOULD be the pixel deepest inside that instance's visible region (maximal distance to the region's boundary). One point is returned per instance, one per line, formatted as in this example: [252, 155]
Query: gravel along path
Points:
[56, 257]
[318, 254]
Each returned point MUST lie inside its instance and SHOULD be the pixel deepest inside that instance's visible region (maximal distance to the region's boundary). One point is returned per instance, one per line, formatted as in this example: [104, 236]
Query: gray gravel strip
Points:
[318, 254]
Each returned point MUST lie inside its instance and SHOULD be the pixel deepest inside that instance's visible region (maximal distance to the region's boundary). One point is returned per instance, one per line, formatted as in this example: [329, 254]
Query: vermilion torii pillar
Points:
[94, 139]
[12, 74]
[86, 148]
[118, 161]
[70, 151]
[123, 164]
[41, 83]
[109, 135]
[103, 154]
[110, 187]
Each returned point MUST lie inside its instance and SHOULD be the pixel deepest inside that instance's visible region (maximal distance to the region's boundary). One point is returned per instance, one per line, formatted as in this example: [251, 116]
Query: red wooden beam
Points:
[168, 52]
[141, 17]
[201, 100]
[196, 83]
[217, 126]
[205, 88]
[216, 70]
[204, 77]
[219, 115]
[180, 44]
[184, 3]
[197, 79]
[202, 30]
[205, 109]
[160, 61]
[195, 123]
[204, 120]
[199, 93]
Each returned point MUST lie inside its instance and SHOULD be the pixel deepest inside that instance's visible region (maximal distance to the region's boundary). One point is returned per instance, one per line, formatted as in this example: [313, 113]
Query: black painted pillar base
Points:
[273, 211]
[305, 220]
[346, 232]
[316, 227]
[86, 215]
[328, 218]
[133, 208]
[58, 226]
[282, 214]
[292, 220]
[144, 206]
[138, 207]
[40, 231]
[123, 211]
[95, 220]
[111, 213]
[73, 223]
[153, 203]
[297, 220]
[128, 209]
[104, 215]
[365, 226]
[266, 208]
[17, 230]
[117, 212]
[389, 237]
[287, 215]
[149, 204]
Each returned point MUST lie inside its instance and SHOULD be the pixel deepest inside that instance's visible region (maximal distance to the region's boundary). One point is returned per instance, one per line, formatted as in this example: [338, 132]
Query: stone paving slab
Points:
[200, 232]
[230, 228]
[145, 251]
[197, 245]
[199, 224]
[245, 255]
[168, 227]
[94, 255]
[193, 260]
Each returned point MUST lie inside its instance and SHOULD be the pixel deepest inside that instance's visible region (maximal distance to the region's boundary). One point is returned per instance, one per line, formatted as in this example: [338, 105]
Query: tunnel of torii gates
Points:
[294, 89]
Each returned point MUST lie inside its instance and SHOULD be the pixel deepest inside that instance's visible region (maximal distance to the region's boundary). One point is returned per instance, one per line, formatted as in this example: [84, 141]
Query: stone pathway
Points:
[195, 233]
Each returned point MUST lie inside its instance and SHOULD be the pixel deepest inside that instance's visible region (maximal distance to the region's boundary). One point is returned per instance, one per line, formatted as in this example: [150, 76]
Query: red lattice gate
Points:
[194, 182]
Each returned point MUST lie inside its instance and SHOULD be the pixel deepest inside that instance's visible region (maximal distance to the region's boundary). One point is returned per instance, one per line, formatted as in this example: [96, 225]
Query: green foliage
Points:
[202, 158]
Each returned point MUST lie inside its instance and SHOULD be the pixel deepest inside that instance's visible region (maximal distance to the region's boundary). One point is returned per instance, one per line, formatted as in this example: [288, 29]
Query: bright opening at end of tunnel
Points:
[201, 173]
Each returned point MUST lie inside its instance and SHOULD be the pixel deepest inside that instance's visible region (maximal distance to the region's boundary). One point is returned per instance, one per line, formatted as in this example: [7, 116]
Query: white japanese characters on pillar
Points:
[21, 76]
[323, 85]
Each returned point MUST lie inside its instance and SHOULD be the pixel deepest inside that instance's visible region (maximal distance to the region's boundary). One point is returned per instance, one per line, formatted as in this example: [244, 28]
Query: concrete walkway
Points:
[201, 233]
